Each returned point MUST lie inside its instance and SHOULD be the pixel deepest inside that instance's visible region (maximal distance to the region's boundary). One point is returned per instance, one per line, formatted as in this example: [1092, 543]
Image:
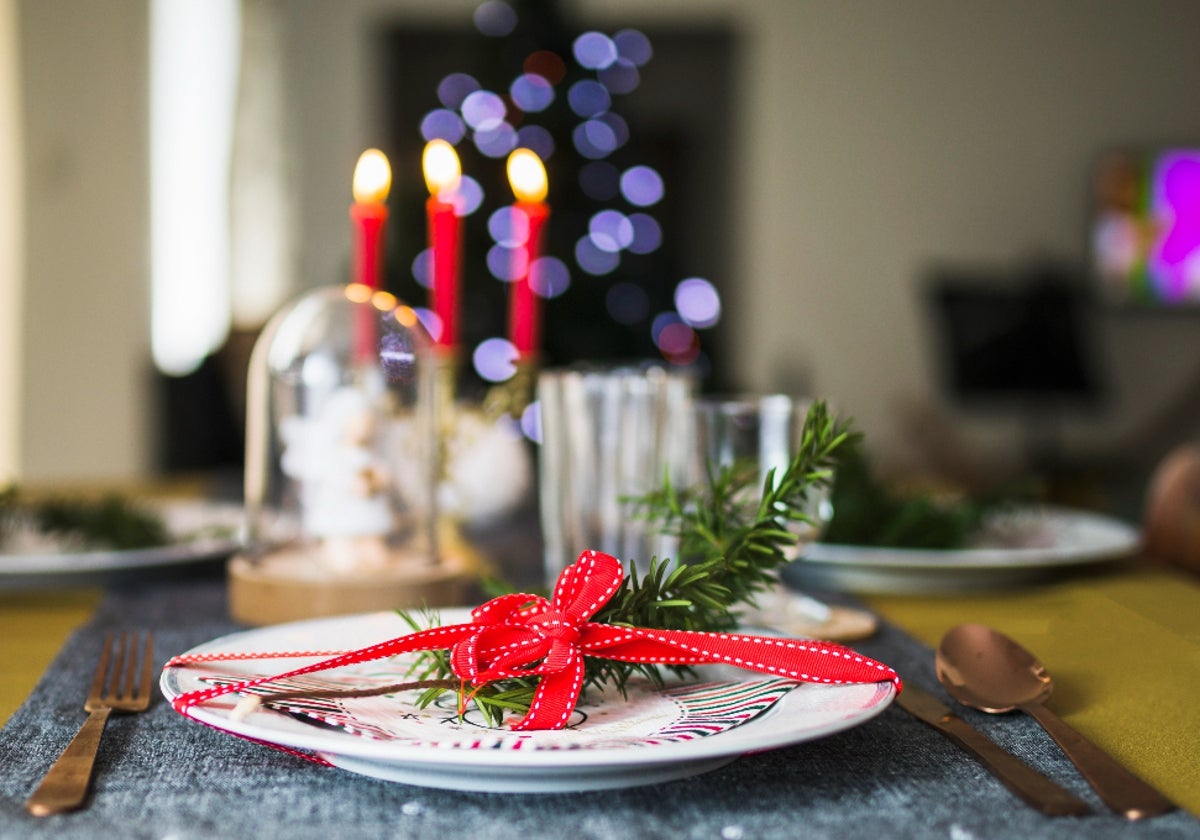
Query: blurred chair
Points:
[1171, 519]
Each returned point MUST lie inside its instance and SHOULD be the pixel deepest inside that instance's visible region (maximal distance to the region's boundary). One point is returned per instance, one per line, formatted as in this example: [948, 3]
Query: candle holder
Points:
[515, 394]
[486, 466]
[343, 457]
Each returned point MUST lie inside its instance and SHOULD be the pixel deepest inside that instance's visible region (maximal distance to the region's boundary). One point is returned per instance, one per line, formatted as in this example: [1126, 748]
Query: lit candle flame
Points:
[372, 177]
[442, 170]
[527, 176]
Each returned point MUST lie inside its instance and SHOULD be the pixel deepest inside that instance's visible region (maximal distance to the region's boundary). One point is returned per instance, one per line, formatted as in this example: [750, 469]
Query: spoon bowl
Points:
[986, 670]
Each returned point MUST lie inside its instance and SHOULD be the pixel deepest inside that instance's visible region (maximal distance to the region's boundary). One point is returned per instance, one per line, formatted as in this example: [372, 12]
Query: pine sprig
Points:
[732, 540]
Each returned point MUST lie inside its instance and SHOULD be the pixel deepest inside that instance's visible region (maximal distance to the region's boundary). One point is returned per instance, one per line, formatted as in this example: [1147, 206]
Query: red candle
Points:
[368, 213]
[442, 175]
[527, 176]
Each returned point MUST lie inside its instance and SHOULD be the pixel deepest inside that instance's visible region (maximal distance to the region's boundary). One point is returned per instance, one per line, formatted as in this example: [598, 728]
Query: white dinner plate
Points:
[650, 736]
[206, 532]
[1019, 547]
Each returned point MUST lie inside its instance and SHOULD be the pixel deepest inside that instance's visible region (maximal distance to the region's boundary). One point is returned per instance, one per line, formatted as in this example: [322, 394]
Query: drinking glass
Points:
[609, 434]
[766, 431]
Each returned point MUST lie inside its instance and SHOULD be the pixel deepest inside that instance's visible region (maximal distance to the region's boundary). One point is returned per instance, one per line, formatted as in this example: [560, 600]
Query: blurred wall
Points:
[877, 139]
[84, 396]
[884, 137]
[12, 242]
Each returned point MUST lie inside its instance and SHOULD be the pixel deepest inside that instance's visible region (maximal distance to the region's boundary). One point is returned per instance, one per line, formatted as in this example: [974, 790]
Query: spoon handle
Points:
[1122, 791]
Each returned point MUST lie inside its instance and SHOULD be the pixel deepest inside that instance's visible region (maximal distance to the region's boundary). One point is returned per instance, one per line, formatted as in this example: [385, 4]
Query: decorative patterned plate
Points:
[649, 736]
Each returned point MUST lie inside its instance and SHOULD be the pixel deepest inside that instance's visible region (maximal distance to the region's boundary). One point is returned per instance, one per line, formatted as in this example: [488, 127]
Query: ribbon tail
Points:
[798, 659]
[431, 639]
[554, 698]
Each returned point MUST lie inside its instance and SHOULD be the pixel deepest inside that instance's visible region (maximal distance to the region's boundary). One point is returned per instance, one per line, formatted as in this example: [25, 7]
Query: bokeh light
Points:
[468, 197]
[549, 277]
[617, 125]
[531, 93]
[698, 302]
[508, 226]
[430, 321]
[443, 124]
[483, 110]
[549, 65]
[594, 50]
[647, 233]
[495, 18]
[507, 264]
[620, 77]
[537, 139]
[600, 180]
[588, 98]
[497, 141]
[661, 321]
[456, 87]
[633, 46]
[627, 303]
[594, 139]
[422, 268]
[531, 421]
[611, 230]
[642, 186]
[675, 340]
[495, 359]
[384, 301]
[593, 259]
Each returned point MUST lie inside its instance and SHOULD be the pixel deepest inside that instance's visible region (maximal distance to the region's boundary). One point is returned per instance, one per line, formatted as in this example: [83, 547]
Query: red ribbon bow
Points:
[523, 635]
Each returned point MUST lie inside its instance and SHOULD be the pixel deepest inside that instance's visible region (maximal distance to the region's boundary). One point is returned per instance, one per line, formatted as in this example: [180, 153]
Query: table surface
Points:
[1124, 648]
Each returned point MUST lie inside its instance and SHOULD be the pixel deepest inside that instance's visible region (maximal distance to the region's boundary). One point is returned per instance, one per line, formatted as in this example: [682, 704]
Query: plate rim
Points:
[15, 567]
[1125, 541]
[409, 755]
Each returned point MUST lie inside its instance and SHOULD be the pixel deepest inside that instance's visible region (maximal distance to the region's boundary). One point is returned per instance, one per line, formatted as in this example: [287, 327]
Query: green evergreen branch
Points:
[112, 522]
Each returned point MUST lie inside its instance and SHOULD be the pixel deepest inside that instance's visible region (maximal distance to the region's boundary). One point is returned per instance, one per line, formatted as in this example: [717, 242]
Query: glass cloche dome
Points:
[342, 459]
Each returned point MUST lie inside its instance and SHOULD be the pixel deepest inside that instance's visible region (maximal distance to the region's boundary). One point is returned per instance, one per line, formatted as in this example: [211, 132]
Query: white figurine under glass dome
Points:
[340, 380]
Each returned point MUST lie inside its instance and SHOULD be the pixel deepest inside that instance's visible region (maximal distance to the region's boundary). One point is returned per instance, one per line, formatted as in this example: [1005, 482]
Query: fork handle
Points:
[66, 783]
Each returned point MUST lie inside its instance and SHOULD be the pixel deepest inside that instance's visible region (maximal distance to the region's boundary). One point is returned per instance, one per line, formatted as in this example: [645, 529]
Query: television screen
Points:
[1145, 227]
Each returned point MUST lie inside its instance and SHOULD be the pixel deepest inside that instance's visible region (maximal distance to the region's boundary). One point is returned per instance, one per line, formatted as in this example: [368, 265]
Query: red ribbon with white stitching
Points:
[522, 635]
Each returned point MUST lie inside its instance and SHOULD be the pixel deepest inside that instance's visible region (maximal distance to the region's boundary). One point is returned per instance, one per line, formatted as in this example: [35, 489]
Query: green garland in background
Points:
[869, 512]
[111, 522]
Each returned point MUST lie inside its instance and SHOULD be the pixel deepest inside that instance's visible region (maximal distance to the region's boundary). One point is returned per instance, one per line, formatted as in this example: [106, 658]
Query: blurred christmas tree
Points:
[527, 77]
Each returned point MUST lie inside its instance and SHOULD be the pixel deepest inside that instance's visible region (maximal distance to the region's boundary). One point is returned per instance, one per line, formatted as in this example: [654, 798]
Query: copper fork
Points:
[118, 686]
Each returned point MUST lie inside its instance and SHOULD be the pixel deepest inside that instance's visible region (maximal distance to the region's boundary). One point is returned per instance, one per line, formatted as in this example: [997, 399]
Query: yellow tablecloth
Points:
[1124, 650]
[33, 626]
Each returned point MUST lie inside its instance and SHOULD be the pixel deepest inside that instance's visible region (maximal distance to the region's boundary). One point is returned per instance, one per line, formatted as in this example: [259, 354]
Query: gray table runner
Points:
[161, 776]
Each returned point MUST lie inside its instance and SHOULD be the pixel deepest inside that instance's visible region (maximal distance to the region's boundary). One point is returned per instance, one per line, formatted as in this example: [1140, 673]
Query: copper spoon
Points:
[987, 670]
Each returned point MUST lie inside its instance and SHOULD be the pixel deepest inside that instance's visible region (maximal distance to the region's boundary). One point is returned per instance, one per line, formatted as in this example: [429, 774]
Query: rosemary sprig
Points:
[731, 543]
